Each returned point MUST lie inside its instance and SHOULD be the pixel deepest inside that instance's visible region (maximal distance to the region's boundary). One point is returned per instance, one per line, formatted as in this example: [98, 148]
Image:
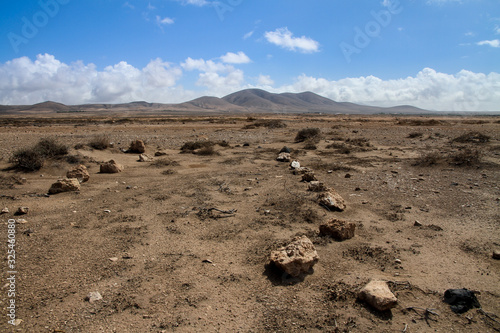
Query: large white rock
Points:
[65, 185]
[111, 167]
[283, 157]
[80, 172]
[332, 200]
[296, 258]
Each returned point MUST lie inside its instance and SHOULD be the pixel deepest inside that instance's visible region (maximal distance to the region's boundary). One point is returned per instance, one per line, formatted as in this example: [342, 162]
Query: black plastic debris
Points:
[461, 300]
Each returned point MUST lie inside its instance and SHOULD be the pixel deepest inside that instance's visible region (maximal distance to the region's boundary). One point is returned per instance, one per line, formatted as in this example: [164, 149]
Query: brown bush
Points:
[100, 142]
[308, 134]
[472, 137]
[466, 157]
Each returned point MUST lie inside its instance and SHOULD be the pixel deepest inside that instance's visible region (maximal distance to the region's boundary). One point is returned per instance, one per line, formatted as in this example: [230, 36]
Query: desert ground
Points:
[425, 205]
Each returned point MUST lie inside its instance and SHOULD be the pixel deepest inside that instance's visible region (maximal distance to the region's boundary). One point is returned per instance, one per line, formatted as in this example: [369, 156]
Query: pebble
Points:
[21, 221]
[398, 261]
[93, 296]
[107, 211]
[22, 211]
[113, 259]
[496, 254]
[5, 211]
[417, 224]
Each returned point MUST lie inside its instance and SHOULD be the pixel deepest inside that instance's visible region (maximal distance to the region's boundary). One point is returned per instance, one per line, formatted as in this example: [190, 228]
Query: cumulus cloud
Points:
[492, 43]
[26, 81]
[235, 58]
[284, 38]
[23, 81]
[431, 90]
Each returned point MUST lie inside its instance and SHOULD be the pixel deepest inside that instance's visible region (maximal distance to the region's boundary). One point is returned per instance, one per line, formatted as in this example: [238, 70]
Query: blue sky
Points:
[434, 54]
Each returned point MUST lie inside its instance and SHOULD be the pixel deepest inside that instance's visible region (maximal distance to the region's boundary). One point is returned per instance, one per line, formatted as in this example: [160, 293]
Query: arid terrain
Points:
[423, 192]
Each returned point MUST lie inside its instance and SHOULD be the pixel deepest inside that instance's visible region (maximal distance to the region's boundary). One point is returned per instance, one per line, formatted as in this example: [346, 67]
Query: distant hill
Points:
[244, 101]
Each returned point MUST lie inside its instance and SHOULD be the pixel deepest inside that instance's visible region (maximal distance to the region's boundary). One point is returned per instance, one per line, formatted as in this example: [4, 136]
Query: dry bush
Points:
[191, 146]
[9, 182]
[310, 145]
[419, 122]
[32, 159]
[428, 159]
[268, 123]
[472, 137]
[327, 166]
[206, 151]
[360, 142]
[100, 142]
[27, 159]
[308, 134]
[466, 157]
[341, 148]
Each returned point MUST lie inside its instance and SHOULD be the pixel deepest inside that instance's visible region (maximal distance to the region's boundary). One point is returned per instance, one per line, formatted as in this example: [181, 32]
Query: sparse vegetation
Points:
[360, 142]
[100, 142]
[268, 123]
[164, 162]
[472, 137]
[414, 135]
[33, 159]
[428, 159]
[465, 157]
[308, 134]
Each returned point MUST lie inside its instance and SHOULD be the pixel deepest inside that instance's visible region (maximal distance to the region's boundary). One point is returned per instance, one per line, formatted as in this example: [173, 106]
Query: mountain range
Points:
[244, 101]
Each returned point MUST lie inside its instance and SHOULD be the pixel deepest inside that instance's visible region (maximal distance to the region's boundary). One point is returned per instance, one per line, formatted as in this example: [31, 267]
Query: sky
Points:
[434, 54]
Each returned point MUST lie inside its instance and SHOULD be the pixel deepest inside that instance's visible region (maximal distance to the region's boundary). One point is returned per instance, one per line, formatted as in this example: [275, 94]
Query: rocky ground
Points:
[182, 242]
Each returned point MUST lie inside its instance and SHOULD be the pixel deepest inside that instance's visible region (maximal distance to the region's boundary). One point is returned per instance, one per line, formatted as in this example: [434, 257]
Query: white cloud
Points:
[164, 21]
[265, 80]
[23, 81]
[26, 81]
[284, 38]
[248, 34]
[442, 2]
[431, 90]
[199, 3]
[492, 43]
[235, 58]
[497, 30]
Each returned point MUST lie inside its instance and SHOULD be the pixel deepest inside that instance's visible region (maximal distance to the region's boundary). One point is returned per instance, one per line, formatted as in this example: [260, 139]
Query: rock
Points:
[496, 254]
[111, 167]
[137, 146]
[296, 258]
[417, 224]
[332, 200]
[338, 229]
[378, 295]
[308, 177]
[160, 153]
[93, 296]
[316, 186]
[301, 171]
[283, 157]
[65, 185]
[295, 165]
[21, 221]
[22, 211]
[145, 158]
[285, 149]
[80, 172]
[5, 211]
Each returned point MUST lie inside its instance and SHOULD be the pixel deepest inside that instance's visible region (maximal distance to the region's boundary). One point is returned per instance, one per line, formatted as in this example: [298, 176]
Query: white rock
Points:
[378, 295]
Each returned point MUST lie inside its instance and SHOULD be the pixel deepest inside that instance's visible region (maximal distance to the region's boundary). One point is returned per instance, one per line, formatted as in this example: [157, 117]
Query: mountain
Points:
[244, 101]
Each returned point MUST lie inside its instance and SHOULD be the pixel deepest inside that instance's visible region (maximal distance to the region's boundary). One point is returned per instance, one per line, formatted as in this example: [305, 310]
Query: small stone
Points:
[21, 221]
[144, 158]
[207, 261]
[137, 146]
[496, 254]
[93, 296]
[5, 211]
[295, 165]
[296, 258]
[160, 153]
[347, 175]
[316, 186]
[17, 322]
[378, 295]
[114, 259]
[107, 211]
[285, 149]
[22, 211]
[338, 229]
[283, 157]
[417, 224]
[111, 167]
[398, 261]
[308, 177]
[332, 200]
[80, 172]
[65, 185]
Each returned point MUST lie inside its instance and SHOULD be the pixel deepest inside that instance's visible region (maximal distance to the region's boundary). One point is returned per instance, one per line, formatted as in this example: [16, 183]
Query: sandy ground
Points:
[176, 269]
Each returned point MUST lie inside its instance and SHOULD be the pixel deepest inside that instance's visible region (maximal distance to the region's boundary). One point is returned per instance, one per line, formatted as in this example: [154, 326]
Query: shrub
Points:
[164, 162]
[415, 135]
[428, 159]
[304, 134]
[100, 142]
[191, 146]
[50, 148]
[268, 123]
[310, 145]
[466, 157]
[472, 137]
[28, 159]
[360, 142]
[206, 151]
